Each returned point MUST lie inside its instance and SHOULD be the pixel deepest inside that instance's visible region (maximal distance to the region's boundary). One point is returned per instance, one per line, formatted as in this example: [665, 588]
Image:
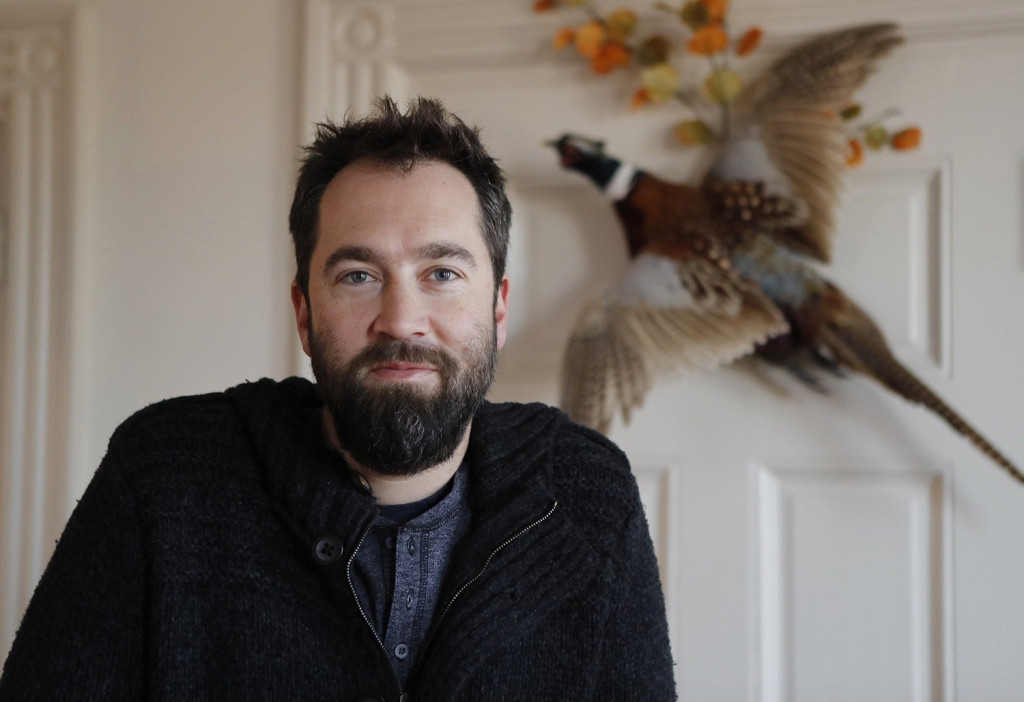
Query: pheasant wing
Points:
[664, 314]
[795, 106]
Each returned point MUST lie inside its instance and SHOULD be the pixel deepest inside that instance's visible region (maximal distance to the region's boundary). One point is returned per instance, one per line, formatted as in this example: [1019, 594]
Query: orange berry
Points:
[907, 139]
[590, 38]
[640, 98]
[565, 37]
[750, 40]
[708, 40]
[716, 9]
[609, 57]
[855, 156]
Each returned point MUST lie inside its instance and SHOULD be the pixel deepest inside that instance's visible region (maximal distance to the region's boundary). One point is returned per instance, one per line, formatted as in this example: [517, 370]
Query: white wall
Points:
[195, 149]
[184, 132]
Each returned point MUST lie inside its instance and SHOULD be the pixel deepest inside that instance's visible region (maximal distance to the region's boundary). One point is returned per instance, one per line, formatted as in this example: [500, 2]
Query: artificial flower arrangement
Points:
[611, 41]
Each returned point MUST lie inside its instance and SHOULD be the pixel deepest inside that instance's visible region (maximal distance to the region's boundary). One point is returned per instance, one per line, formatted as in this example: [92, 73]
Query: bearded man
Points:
[384, 534]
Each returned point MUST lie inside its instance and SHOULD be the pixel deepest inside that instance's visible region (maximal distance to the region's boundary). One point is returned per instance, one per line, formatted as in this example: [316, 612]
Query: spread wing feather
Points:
[794, 106]
[662, 315]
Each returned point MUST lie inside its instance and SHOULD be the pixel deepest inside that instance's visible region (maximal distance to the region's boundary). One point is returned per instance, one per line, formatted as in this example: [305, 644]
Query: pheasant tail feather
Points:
[877, 361]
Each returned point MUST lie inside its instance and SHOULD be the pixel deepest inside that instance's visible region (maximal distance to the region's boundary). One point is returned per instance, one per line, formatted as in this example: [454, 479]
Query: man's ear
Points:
[301, 315]
[501, 313]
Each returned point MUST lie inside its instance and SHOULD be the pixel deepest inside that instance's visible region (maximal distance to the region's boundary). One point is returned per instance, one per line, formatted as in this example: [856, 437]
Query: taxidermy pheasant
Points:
[716, 269]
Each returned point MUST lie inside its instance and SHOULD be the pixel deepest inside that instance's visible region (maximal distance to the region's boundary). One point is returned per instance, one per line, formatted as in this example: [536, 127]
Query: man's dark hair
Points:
[426, 132]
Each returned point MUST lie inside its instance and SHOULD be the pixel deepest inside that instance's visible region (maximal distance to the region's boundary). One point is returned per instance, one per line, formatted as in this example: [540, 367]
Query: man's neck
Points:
[401, 489]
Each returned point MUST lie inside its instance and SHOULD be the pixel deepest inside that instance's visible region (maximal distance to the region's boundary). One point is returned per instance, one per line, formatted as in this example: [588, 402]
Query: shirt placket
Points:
[410, 574]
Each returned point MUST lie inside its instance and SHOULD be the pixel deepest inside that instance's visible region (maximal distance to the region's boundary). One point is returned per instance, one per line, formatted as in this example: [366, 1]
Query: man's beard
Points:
[397, 428]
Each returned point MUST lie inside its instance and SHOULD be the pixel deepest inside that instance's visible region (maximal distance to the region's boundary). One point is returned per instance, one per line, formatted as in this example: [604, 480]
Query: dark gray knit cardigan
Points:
[190, 568]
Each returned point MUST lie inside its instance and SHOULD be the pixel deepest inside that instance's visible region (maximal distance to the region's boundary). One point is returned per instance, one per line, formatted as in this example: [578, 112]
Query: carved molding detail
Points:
[349, 56]
[29, 57]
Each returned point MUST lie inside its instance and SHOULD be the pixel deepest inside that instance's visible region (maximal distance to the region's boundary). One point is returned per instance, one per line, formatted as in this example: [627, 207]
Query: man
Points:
[384, 534]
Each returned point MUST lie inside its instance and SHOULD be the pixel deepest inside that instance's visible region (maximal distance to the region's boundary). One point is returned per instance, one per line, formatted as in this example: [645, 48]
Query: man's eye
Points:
[356, 277]
[443, 275]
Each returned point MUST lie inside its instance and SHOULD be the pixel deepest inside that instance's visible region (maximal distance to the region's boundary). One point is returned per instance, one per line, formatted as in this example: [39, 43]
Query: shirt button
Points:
[401, 652]
[328, 550]
[412, 546]
[409, 598]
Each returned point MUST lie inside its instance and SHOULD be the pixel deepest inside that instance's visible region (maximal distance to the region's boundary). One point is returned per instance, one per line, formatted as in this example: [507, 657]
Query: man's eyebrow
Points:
[443, 249]
[430, 252]
[351, 253]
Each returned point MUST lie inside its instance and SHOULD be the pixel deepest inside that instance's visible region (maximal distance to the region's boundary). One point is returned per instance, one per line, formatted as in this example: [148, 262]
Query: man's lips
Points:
[402, 370]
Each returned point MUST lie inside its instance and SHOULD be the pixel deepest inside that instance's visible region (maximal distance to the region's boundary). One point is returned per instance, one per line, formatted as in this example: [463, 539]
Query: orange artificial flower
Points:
[750, 40]
[907, 139]
[716, 10]
[855, 156]
[708, 40]
[543, 5]
[608, 58]
[641, 98]
[565, 37]
[590, 38]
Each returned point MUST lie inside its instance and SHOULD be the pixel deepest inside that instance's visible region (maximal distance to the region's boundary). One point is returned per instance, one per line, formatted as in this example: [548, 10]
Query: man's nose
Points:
[402, 313]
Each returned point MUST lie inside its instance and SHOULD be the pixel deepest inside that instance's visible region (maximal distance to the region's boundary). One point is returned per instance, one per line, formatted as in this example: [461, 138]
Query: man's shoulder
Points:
[191, 419]
[588, 471]
[567, 439]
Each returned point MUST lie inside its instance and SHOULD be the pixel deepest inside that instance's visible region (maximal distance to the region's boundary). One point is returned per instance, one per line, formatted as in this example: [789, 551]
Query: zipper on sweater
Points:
[468, 583]
[402, 696]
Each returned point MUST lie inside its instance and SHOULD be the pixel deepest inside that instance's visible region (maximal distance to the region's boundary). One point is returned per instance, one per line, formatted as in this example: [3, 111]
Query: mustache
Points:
[402, 351]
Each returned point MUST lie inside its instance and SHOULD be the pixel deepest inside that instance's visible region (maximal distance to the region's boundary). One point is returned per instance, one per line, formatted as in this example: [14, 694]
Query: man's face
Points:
[402, 325]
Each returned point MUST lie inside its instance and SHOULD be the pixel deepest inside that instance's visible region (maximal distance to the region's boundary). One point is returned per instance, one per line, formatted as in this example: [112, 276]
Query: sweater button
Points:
[328, 549]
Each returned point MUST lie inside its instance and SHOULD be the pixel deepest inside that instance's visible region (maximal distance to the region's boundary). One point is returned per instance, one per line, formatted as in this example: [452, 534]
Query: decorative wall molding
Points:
[816, 532]
[656, 481]
[40, 126]
[925, 193]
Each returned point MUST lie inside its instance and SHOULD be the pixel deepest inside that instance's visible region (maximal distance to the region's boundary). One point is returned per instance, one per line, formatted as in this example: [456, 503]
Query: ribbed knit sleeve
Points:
[82, 636]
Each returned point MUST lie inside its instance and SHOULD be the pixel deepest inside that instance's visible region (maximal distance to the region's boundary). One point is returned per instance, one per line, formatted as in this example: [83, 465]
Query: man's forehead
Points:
[375, 212]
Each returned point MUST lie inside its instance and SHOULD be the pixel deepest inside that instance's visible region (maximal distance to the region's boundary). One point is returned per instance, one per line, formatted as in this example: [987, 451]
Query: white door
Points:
[813, 548]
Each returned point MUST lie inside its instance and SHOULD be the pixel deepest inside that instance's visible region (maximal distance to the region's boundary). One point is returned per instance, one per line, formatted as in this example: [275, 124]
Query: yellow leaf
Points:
[723, 85]
[694, 132]
[694, 14]
[850, 112]
[876, 137]
[622, 22]
[661, 81]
